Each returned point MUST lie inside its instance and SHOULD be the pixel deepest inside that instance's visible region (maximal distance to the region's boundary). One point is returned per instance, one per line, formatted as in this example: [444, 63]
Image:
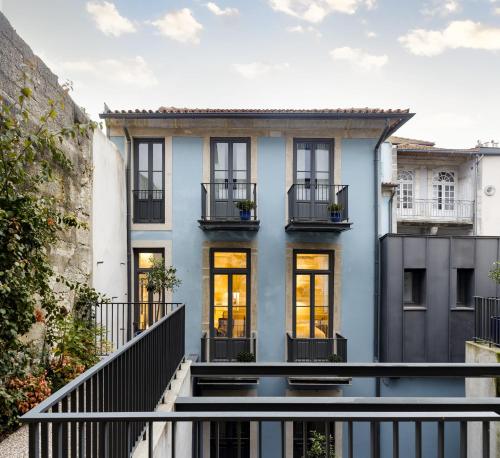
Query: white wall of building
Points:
[109, 231]
[489, 206]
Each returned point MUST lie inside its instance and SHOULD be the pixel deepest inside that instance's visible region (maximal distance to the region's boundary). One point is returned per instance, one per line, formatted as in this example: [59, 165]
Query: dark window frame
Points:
[465, 290]
[330, 141]
[230, 271]
[419, 285]
[331, 304]
[230, 141]
[150, 141]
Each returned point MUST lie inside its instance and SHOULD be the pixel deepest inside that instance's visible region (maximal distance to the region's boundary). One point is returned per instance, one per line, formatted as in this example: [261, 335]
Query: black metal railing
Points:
[312, 202]
[317, 350]
[121, 321]
[149, 206]
[132, 379]
[226, 349]
[487, 320]
[219, 200]
[436, 209]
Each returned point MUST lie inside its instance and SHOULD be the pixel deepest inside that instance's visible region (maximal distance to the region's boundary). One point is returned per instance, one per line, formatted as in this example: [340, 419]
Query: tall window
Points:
[230, 174]
[149, 167]
[313, 294]
[230, 287]
[405, 189]
[313, 163]
[230, 439]
[465, 287]
[414, 287]
[311, 439]
[443, 189]
[148, 302]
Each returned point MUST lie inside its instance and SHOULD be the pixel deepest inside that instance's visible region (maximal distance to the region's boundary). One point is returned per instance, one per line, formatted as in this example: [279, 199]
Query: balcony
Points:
[318, 208]
[227, 349]
[309, 350]
[436, 211]
[487, 320]
[220, 204]
[149, 206]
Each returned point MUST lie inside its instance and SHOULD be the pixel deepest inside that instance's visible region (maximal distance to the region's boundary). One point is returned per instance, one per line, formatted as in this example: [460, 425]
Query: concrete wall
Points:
[72, 257]
[109, 230]
[437, 329]
[488, 206]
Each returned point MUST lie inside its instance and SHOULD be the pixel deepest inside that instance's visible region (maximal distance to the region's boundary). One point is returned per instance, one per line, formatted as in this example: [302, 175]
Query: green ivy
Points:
[495, 272]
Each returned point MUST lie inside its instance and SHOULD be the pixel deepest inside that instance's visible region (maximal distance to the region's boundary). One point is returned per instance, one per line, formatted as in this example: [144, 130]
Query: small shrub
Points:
[160, 278]
[333, 207]
[245, 205]
[317, 449]
[495, 272]
[333, 358]
[30, 390]
[245, 357]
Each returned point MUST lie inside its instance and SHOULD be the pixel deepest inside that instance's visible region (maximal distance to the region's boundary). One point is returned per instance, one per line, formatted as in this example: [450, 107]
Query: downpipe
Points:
[128, 148]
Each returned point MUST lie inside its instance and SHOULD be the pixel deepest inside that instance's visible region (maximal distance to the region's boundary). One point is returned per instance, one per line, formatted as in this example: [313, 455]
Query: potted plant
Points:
[245, 207]
[245, 357]
[335, 212]
[333, 358]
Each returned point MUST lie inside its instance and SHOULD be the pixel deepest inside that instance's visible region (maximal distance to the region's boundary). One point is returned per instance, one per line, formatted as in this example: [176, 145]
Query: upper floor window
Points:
[405, 189]
[443, 189]
[149, 174]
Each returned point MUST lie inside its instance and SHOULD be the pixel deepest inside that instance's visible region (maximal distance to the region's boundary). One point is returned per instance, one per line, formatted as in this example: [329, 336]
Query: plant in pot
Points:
[245, 357]
[333, 358]
[335, 212]
[245, 207]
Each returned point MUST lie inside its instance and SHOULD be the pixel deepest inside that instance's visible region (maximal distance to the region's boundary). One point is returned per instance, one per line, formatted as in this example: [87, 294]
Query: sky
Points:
[440, 58]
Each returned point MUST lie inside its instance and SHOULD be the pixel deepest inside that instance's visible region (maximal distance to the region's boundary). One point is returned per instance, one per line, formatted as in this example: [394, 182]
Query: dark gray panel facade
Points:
[435, 329]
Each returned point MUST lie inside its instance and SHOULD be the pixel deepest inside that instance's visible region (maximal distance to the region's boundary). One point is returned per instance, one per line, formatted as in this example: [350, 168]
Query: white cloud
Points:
[316, 10]
[441, 7]
[130, 72]
[108, 20]
[458, 34]
[180, 26]
[359, 58]
[302, 29]
[371, 34]
[255, 69]
[496, 10]
[218, 11]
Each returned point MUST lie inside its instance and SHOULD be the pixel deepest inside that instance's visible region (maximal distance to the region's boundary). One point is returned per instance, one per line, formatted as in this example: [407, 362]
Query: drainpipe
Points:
[127, 197]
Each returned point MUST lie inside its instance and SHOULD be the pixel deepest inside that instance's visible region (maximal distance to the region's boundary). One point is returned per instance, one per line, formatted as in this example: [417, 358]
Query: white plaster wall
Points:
[109, 231]
[489, 206]
[386, 165]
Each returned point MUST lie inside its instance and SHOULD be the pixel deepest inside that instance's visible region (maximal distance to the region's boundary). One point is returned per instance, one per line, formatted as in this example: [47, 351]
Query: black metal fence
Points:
[487, 320]
[219, 201]
[220, 349]
[149, 206]
[313, 202]
[132, 379]
[317, 350]
[121, 321]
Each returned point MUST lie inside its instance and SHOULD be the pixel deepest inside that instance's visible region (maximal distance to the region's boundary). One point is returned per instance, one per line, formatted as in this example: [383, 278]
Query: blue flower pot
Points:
[336, 217]
[245, 215]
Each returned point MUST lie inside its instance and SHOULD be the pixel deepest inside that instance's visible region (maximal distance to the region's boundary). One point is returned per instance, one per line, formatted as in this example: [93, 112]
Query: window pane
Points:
[143, 181]
[230, 260]
[143, 156]
[302, 303]
[321, 290]
[158, 180]
[313, 261]
[220, 290]
[145, 259]
[239, 305]
[220, 321]
[408, 287]
[143, 297]
[322, 158]
[240, 156]
[303, 157]
[157, 157]
[220, 156]
[321, 322]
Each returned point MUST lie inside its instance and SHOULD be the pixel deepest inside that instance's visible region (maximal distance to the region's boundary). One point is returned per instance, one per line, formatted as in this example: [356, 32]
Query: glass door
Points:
[313, 178]
[230, 176]
[313, 285]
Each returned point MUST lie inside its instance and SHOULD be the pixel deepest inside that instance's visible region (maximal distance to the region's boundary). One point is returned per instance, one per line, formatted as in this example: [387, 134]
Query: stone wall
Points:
[72, 257]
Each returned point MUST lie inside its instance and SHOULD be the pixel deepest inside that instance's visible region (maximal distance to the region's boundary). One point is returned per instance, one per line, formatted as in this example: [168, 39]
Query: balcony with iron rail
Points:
[148, 206]
[487, 320]
[229, 206]
[318, 208]
[227, 349]
[310, 350]
[436, 211]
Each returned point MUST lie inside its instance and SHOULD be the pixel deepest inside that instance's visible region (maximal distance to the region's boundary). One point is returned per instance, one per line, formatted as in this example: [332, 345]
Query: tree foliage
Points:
[495, 272]
[160, 278]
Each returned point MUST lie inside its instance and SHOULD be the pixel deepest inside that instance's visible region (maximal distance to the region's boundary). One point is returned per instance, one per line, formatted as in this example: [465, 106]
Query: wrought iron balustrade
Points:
[301, 349]
[311, 202]
[220, 349]
[451, 210]
[487, 320]
[219, 200]
[149, 206]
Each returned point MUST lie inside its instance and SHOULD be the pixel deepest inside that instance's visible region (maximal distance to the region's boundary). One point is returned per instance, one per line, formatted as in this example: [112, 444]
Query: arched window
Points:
[443, 189]
[405, 189]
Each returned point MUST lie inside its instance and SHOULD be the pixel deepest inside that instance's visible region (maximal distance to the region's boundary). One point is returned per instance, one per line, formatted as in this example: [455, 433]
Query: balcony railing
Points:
[226, 349]
[149, 206]
[317, 350]
[309, 205]
[436, 210]
[219, 206]
[487, 320]
[121, 321]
